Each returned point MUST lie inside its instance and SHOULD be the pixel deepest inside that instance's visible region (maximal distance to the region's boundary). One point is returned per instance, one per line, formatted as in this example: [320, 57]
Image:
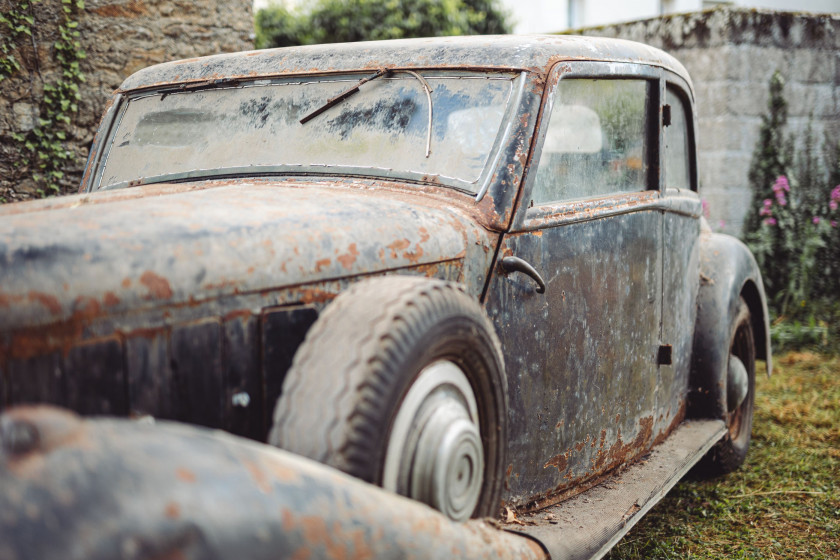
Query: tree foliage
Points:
[334, 21]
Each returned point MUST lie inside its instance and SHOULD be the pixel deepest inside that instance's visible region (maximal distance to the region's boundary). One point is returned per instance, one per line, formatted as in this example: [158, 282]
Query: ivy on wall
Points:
[43, 149]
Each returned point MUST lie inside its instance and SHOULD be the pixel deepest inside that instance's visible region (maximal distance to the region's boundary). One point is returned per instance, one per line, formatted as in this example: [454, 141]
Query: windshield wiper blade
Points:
[342, 96]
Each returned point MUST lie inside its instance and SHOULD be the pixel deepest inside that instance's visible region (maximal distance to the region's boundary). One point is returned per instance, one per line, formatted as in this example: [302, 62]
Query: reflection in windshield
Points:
[384, 130]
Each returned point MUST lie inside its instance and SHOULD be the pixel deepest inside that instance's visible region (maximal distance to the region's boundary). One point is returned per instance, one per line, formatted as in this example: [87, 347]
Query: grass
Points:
[784, 502]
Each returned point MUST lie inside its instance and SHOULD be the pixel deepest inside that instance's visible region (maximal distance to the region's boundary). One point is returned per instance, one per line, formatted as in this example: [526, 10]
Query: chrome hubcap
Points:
[434, 450]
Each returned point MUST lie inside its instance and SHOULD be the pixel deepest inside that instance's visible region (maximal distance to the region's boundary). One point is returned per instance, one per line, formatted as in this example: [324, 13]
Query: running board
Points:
[587, 526]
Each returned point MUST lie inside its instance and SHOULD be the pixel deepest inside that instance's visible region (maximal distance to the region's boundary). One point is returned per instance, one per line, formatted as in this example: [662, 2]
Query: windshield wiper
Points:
[382, 71]
[342, 96]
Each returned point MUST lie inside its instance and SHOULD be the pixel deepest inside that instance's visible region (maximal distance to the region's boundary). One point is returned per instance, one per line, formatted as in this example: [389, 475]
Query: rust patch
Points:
[157, 285]
[86, 308]
[560, 462]
[424, 235]
[397, 246]
[238, 315]
[414, 257]
[126, 283]
[348, 258]
[185, 475]
[7, 300]
[314, 295]
[110, 299]
[172, 511]
[263, 483]
[47, 300]
[39, 341]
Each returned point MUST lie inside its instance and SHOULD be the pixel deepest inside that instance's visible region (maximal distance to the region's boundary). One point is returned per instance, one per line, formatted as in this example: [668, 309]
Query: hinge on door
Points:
[663, 357]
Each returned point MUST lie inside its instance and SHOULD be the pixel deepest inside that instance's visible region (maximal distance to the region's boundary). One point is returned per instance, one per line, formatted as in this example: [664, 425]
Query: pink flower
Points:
[816, 220]
[835, 193]
[833, 223]
[770, 221]
[721, 224]
[833, 205]
[706, 211]
[781, 184]
[780, 198]
[765, 212]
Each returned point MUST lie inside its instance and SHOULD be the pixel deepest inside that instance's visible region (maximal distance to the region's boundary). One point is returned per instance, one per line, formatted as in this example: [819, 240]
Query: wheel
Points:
[401, 383]
[729, 453]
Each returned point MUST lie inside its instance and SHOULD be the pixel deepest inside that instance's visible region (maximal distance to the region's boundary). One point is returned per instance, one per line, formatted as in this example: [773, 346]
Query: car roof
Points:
[535, 53]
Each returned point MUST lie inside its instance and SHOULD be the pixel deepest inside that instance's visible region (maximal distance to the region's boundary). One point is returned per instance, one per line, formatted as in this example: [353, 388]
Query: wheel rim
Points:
[434, 453]
[738, 385]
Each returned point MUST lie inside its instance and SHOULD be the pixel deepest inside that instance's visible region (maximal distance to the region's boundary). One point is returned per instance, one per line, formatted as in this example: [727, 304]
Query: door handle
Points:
[515, 264]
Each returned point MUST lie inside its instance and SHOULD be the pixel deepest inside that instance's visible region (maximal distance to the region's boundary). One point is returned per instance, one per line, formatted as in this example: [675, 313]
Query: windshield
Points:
[388, 128]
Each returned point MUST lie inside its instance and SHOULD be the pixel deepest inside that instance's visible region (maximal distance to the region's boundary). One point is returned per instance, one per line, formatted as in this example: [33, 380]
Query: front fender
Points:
[728, 272]
[99, 489]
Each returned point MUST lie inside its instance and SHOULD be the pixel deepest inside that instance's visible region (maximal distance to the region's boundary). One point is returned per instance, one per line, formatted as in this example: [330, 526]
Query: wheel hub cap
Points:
[435, 453]
[737, 383]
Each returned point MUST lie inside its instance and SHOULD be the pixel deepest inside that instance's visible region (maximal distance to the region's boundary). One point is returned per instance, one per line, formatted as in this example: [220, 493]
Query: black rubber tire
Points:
[729, 453]
[361, 356]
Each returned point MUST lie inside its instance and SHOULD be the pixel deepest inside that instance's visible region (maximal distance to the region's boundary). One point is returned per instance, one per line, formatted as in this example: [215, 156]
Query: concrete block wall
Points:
[119, 38]
[731, 55]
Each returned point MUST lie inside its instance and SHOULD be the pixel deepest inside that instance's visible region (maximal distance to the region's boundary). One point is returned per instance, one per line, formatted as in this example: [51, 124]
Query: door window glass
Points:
[596, 142]
[677, 165]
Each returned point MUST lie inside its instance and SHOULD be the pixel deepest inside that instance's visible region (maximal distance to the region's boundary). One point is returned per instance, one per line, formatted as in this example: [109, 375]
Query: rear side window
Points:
[677, 164]
[596, 142]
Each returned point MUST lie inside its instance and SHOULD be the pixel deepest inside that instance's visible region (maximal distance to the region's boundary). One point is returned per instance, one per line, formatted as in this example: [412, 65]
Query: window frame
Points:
[682, 90]
[534, 217]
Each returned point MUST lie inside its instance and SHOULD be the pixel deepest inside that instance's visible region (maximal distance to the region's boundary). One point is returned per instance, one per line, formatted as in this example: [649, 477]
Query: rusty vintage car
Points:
[473, 271]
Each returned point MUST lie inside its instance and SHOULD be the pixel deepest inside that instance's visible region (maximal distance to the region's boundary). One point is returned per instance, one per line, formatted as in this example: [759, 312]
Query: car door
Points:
[681, 250]
[581, 358]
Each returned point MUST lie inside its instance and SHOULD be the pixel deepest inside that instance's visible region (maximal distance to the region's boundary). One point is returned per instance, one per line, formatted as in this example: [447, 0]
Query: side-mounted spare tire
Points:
[400, 382]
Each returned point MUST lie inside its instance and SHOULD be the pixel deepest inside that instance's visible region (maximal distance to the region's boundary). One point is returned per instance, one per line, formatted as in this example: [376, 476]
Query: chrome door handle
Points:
[515, 264]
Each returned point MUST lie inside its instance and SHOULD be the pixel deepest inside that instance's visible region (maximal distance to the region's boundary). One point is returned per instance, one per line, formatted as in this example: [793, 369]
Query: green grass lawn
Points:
[784, 502]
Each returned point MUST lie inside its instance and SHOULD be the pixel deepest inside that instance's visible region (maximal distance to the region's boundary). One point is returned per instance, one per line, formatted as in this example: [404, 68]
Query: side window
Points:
[677, 163]
[596, 143]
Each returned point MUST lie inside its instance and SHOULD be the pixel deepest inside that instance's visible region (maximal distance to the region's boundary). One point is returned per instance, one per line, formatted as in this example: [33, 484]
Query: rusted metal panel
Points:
[244, 400]
[36, 379]
[282, 332]
[587, 526]
[97, 383]
[680, 271]
[199, 384]
[88, 489]
[580, 359]
[150, 378]
[257, 229]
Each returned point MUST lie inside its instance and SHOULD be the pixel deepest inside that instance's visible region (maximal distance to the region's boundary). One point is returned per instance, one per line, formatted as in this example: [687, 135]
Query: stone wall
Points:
[731, 55]
[119, 37]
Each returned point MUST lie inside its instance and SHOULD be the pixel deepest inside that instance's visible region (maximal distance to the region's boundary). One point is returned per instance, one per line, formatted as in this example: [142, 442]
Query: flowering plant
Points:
[794, 244]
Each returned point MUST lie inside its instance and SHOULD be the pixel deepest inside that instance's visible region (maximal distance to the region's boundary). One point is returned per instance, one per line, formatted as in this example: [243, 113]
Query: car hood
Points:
[164, 245]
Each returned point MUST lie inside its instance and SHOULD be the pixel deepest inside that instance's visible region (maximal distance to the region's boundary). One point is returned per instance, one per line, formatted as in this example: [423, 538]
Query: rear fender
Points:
[728, 272]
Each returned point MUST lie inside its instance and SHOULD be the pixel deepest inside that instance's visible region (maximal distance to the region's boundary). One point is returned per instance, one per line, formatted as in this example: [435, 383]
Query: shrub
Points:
[793, 228]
